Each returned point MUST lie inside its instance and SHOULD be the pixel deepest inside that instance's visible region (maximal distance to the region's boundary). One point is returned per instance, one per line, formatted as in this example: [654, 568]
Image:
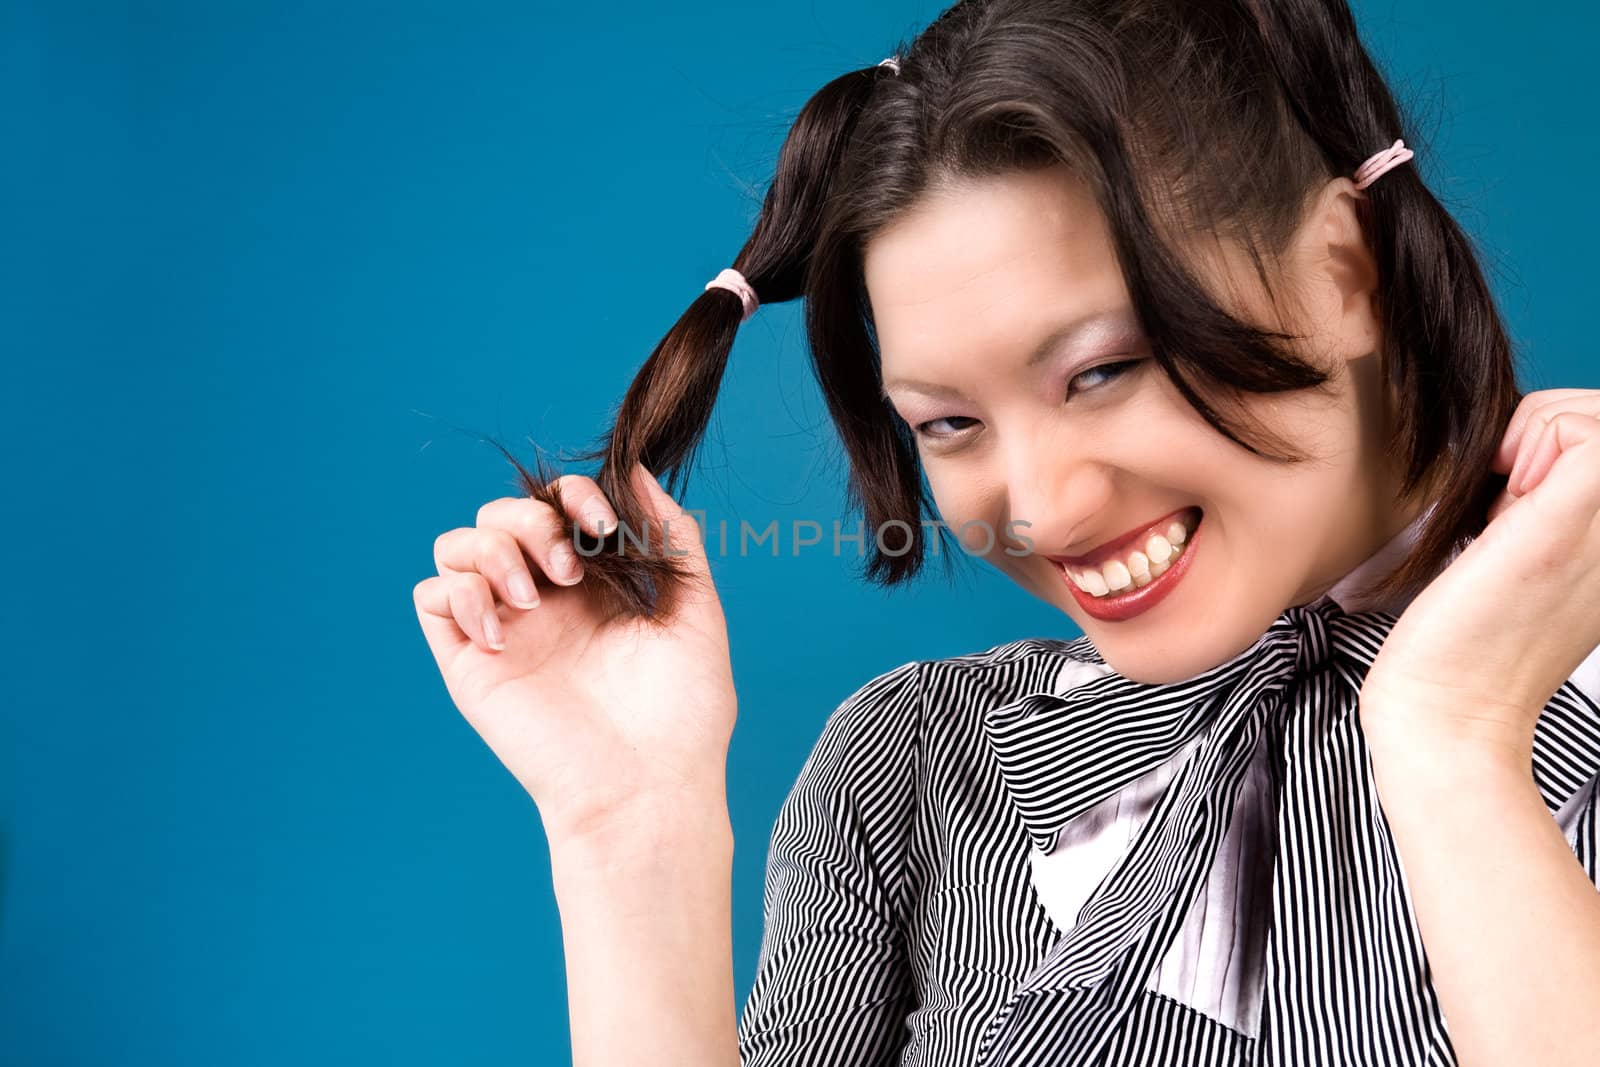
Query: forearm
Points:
[646, 925]
[1509, 918]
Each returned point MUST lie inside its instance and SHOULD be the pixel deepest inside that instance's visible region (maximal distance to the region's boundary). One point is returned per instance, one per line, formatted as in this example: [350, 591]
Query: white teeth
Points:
[1138, 569]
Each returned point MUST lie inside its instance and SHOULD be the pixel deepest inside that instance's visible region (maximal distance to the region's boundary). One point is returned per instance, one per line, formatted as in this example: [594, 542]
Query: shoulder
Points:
[1022, 652]
[962, 688]
[881, 715]
[938, 693]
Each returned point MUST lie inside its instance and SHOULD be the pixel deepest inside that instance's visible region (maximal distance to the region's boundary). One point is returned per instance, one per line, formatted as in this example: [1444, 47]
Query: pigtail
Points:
[1446, 353]
[663, 416]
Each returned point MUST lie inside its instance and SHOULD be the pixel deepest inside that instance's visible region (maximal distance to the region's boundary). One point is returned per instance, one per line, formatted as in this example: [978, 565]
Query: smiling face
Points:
[1010, 344]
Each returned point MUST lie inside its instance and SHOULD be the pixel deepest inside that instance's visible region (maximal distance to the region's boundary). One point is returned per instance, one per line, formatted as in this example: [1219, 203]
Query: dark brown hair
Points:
[1182, 116]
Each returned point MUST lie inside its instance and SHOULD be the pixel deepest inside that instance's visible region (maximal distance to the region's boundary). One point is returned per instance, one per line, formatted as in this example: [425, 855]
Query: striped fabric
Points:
[902, 924]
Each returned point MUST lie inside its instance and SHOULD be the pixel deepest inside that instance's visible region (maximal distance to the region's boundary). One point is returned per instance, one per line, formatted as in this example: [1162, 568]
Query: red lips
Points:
[1121, 606]
[1115, 546]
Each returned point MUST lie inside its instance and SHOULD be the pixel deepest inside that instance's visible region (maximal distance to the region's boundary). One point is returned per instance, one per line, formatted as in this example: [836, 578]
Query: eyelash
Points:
[1115, 369]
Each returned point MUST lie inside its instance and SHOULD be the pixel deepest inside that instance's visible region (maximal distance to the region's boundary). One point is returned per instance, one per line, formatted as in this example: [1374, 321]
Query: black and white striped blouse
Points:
[1018, 857]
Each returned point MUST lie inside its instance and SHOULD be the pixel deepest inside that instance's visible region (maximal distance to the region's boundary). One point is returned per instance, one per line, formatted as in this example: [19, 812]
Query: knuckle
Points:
[442, 546]
[1559, 401]
[468, 589]
[488, 512]
[1533, 402]
[499, 550]
[533, 524]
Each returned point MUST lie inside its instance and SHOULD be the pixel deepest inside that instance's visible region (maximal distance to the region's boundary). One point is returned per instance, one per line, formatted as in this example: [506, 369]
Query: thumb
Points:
[686, 540]
[683, 532]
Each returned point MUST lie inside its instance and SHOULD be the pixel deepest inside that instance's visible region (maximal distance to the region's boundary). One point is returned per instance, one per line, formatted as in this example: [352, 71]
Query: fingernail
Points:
[1514, 479]
[491, 630]
[598, 517]
[565, 563]
[522, 592]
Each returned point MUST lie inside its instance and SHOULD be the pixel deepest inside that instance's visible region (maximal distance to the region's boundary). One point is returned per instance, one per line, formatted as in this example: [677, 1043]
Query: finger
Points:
[585, 503]
[1535, 410]
[1506, 454]
[686, 538]
[1532, 441]
[682, 531]
[1566, 433]
[466, 599]
[1516, 429]
[493, 553]
[539, 531]
[1537, 420]
[472, 605]
[432, 601]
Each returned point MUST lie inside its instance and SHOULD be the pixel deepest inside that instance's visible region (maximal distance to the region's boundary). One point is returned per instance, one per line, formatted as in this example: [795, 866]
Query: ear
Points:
[1339, 272]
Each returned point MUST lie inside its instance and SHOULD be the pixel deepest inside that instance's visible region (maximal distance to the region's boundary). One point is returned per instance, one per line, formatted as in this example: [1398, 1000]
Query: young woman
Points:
[1145, 298]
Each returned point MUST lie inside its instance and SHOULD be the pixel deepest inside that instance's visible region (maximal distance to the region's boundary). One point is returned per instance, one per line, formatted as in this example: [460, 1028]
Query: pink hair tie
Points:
[734, 282]
[1382, 163]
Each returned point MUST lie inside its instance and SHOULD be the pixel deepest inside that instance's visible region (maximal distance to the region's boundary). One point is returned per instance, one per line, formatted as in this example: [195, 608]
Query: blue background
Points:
[270, 270]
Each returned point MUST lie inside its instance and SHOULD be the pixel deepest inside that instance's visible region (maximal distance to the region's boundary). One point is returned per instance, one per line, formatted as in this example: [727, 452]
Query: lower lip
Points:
[1127, 605]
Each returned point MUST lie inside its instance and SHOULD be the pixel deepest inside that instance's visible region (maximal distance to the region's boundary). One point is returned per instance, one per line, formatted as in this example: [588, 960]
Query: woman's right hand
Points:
[601, 721]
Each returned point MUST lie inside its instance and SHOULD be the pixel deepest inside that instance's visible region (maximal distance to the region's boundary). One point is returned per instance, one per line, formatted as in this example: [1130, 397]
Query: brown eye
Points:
[924, 428]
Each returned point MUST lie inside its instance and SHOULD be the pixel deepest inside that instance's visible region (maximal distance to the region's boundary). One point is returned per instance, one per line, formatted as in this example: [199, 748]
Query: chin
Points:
[1175, 660]
[1161, 666]
[1203, 622]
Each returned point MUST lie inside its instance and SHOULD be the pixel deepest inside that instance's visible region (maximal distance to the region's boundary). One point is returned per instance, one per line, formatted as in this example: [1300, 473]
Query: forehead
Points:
[986, 262]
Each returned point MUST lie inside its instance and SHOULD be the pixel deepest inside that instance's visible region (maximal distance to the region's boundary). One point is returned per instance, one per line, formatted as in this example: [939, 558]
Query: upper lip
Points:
[1100, 553]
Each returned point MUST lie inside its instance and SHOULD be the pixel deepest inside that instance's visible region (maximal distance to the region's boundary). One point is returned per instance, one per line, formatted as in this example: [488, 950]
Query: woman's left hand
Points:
[1478, 653]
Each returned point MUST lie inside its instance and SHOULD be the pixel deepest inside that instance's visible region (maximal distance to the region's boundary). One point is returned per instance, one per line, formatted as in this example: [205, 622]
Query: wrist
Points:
[1418, 764]
[646, 905]
[651, 834]
[1445, 735]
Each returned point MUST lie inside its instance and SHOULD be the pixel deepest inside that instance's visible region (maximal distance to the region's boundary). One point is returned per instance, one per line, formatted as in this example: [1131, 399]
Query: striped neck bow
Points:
[1346, 980]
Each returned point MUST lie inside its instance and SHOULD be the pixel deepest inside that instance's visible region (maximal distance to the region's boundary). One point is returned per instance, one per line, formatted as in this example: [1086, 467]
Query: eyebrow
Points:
[1117, 322]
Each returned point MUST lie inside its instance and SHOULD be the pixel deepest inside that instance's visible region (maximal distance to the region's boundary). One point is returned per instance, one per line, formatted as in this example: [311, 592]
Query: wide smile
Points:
[1135, 572]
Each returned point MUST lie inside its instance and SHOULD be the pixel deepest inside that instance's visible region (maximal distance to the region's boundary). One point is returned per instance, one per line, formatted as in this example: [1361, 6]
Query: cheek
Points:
[970, 507]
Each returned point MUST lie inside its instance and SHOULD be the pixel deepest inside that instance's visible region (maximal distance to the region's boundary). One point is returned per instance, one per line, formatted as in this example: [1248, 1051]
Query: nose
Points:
[1055, 488]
